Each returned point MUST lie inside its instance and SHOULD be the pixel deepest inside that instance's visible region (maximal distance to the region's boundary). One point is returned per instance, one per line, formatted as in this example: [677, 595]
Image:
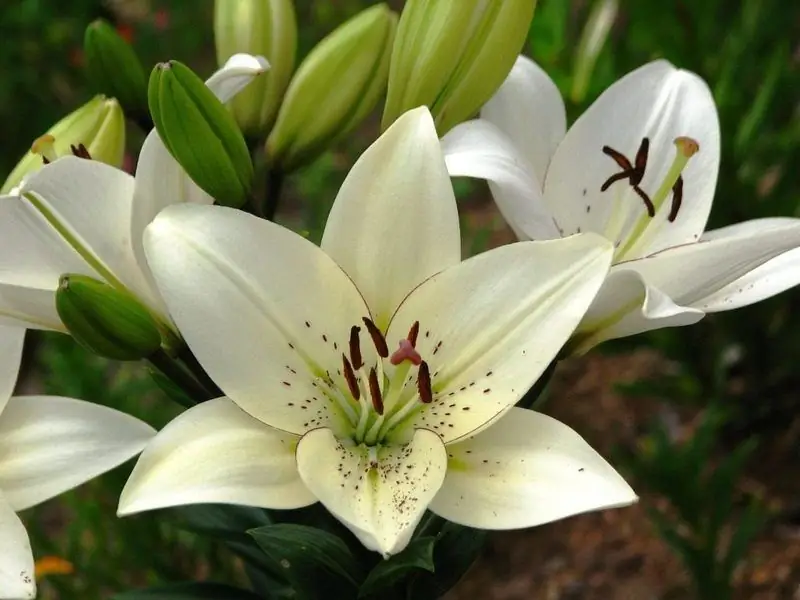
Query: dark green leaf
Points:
[317, 563]
[418, 555]
[189, 591]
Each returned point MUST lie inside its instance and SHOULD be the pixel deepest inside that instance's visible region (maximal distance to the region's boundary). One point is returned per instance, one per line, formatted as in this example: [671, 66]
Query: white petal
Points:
[689, 273]
[11, 341]
[379, 498]
[525, 470]
[17, 580]
[490, 326]
[479, 149]
[528, 108]
[627, 305]
[92, 202]
[394, 222]
[49, 445]
[237, 72]
[216, 453]
[265, 311]
[661, 103]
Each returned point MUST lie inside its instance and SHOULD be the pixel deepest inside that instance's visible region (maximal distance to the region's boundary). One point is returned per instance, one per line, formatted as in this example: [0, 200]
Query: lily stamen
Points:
[413, 333]
[44, 146]
[350, 378]
[377, 337]
[355, 348]
[375, 391]
[424, 383]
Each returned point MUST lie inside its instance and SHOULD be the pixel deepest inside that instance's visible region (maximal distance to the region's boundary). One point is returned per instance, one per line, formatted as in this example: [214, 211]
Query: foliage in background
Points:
[742, 361]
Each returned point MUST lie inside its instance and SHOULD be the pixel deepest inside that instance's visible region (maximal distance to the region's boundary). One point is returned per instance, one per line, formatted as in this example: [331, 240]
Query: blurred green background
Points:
[735, 374]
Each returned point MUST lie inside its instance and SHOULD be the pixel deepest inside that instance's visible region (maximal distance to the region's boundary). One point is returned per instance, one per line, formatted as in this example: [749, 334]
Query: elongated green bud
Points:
[594, 36]
[113, 67]
[105, 320]
[334, 89]
[98, 125]
[452, 55]
[265, 28]
[200, 133]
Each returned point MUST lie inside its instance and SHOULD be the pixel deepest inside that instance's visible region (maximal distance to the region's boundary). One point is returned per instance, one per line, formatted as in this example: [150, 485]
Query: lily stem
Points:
[196, 369]
[178, 374]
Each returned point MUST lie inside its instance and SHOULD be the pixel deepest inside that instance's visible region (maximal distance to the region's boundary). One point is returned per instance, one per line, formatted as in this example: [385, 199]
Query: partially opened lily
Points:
[373, 374]
[82, 216]
[49, 445]
[639, 167]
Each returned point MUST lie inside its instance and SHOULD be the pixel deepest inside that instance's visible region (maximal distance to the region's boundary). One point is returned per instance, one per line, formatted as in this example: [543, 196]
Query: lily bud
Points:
[265, 28]
[593, 38]
[105, 320]
[200, 133]
[113, 67]
[334, 88]
[99, 125]
[452, 55]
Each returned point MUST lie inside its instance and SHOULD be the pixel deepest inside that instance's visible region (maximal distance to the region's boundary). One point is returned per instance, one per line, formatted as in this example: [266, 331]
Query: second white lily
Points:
[373, 374]
[640, 168]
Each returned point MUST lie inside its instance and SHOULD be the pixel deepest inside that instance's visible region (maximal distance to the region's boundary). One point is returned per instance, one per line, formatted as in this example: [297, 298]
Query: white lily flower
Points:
[364, 374]
[640, 168]
[85, 217]
[49, 445]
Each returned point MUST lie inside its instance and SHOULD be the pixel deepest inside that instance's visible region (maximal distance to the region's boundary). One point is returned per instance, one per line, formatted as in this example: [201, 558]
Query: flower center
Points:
[45, 146]
[378, 396]
[671, 184]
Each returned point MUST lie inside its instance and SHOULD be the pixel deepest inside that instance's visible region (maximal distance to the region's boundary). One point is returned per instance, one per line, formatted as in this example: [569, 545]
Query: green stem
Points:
[196, 369]
[273, 193]
[179, 376]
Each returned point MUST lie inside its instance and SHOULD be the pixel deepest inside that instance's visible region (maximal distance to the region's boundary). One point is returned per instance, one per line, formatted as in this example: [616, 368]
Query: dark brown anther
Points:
[355, 347]
[633, 173]
[677, 198]
[375, 391]
[80, 151]
[350, 378]
[413, 333]
[424, 383]
[377, 338]
[45, 160]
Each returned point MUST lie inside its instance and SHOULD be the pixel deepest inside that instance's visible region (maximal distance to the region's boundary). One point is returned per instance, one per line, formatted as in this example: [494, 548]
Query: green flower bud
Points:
[594, 36]
[99, 125]
[265, 28]
[106, 320]
[113, 67]
[334, 88]
[200, 133]
[452, 55]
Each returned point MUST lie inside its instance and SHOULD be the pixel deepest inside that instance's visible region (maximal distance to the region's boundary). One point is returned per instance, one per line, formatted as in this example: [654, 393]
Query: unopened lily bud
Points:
[593, 38]
[113, 67]
[452, 55]
[98, 125]
[200, 133]
[265, 28]
[334, 88]
[109, 322]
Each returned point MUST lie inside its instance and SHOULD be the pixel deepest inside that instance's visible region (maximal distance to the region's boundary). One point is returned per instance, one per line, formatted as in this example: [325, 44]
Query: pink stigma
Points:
[406, 351]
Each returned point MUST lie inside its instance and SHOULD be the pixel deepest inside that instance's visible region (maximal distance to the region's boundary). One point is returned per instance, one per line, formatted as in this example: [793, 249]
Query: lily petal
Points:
[216, 453]
[380, 498]
[265, 311]
[689, 273]
[17, 580]
[658, 102]
[626, 305]
[525, 470]
[394, 222]
[90, 203]
[528, 108]
[490, 326]
[12, 339]
[237, 72]
[49, 445]
[479, 149]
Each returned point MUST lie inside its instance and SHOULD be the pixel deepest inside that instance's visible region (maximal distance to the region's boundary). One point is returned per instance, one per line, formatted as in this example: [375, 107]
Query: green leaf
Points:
[418, 555]
[188, 591]
[317, 563]
[456, 548]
